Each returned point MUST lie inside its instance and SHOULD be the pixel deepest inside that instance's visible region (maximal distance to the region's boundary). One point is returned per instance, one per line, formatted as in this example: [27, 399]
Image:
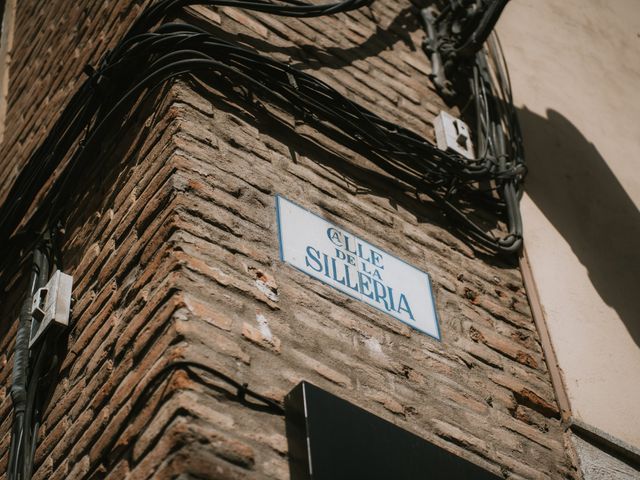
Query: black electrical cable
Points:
[462, 47]
[177, 49]
[498, 130]
[28, 366]
[401, 152]
[241, 394]
[20, 368]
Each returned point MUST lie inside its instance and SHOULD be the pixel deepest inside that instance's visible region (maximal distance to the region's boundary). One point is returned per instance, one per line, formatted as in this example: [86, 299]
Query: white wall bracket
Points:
[51, 305]
[452, 134]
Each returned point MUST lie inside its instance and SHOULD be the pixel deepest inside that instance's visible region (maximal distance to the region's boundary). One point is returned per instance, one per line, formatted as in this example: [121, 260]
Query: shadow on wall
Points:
[574, 188]
[309, 56]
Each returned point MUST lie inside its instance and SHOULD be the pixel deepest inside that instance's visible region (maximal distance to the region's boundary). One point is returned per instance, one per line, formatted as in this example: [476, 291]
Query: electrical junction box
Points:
[51, 305]
[453, 134]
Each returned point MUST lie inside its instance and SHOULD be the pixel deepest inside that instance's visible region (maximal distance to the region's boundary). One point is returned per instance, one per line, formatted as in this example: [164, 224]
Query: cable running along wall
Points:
[147, 57]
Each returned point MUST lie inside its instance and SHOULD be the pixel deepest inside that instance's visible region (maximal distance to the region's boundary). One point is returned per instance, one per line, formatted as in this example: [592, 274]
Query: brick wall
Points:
[52, 42]
[173, 246]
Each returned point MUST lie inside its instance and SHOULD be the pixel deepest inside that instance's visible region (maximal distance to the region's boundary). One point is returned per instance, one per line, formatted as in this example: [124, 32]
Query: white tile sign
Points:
[355, 267]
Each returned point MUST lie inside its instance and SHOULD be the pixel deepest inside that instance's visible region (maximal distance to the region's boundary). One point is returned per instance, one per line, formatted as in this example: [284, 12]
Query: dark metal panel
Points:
[332, 439]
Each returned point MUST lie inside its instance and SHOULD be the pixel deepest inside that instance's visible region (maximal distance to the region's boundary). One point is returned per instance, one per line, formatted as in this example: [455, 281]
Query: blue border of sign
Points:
[429, 283]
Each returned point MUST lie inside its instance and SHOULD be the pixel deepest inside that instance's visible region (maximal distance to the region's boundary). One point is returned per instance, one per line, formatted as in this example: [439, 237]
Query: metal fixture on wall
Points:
[330, 438]
[470, 72]
[456, 31]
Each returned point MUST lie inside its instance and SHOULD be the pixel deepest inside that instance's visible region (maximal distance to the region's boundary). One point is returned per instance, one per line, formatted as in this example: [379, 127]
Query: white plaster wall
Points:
[575, 68]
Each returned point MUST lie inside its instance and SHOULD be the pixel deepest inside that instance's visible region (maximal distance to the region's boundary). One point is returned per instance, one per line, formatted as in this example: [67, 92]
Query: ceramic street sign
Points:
[346, 262]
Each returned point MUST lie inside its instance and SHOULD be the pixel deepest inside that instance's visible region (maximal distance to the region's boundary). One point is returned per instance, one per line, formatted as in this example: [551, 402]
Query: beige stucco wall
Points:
[575, 67]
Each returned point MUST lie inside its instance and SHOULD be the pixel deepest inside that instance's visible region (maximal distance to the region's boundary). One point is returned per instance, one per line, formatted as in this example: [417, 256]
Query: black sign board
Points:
[332, 439]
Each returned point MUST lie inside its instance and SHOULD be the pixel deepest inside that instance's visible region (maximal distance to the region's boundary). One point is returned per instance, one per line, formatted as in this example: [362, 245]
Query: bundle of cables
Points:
[148, 57]
[34, 367]
[154, 52]
[498, 137]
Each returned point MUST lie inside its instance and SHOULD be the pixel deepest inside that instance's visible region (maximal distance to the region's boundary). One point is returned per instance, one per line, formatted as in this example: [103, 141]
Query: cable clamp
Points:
[242, 392]
[51, 305]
